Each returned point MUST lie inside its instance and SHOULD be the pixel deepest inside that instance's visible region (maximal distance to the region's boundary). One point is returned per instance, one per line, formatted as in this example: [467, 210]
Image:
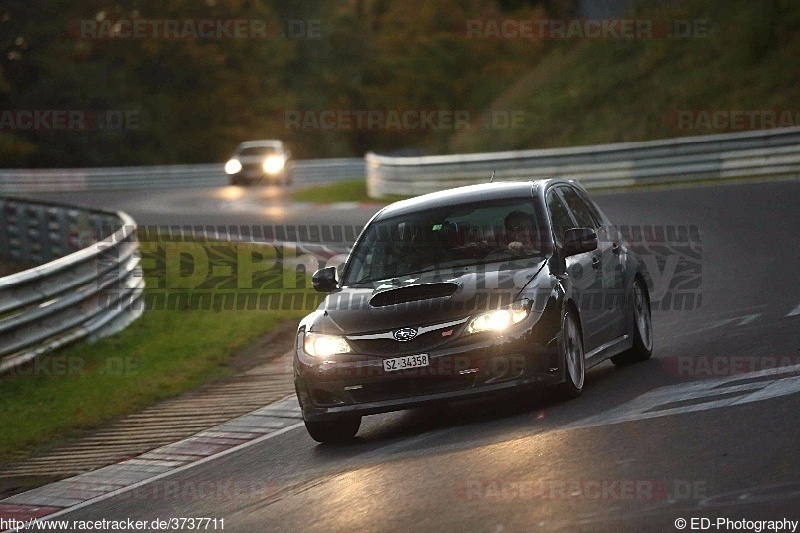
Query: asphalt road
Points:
[705, 429]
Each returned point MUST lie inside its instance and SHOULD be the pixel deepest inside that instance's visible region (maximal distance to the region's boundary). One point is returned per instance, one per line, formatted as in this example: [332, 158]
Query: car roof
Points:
[472, 193]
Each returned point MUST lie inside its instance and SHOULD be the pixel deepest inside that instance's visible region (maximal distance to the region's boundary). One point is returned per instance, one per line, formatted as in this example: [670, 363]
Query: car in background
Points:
[469, 292]
[260, 162]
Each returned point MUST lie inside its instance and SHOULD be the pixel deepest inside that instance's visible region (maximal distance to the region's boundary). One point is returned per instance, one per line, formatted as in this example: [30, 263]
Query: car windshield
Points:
[446, 238]
[258, 151]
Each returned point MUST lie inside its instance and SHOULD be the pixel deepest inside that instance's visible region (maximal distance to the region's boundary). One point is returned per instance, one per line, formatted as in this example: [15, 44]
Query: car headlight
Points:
[500, 319]
[273, 164]
[323, 345]
[233, 166]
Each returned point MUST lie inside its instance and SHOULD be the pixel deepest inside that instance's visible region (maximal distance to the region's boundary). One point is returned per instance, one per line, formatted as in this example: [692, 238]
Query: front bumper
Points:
[255, 173]
[358, 385]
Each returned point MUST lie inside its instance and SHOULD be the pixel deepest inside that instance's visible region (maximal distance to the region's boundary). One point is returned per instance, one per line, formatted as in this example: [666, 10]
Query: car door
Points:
[583, 274]
[609, 295]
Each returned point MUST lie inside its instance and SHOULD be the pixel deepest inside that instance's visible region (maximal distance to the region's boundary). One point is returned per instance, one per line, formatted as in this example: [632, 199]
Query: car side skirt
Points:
[608, 350]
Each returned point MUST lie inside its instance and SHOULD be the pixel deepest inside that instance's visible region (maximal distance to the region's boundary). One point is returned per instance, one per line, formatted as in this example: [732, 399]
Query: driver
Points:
[519, 233]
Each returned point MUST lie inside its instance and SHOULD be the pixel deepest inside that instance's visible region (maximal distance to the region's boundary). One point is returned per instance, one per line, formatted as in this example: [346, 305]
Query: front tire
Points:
[341, 430]
[571, 350]
[642, 328]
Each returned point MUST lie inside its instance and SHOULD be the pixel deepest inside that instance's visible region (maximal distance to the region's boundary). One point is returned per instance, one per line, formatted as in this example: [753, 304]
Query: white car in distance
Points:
[259, 162]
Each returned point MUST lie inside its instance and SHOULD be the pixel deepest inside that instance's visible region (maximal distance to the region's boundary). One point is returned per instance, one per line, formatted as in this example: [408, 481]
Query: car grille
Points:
[251, 167]
[409, 387]
[419, 344]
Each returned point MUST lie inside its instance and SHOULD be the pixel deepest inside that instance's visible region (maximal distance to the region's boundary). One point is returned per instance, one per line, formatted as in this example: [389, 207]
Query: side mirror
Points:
[324, 280]
[579, 240]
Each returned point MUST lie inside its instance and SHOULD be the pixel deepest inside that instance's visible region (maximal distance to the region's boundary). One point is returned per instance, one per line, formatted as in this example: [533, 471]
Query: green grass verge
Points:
[354, 190]
[162, 354]
[344, 191]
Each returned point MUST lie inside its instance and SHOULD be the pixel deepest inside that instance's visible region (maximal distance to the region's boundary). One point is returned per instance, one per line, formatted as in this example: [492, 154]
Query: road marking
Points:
[701, 395]
[747, 319]
[795, 311]
[737, 321]
[741, 320]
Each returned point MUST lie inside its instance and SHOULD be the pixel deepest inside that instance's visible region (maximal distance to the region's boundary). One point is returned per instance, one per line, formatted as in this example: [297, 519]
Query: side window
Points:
[580, 210]
[559, 215]
[593, 209]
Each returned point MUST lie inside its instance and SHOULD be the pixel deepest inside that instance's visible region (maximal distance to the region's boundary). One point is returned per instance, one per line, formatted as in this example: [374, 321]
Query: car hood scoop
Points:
[422, 298]
[412, 293]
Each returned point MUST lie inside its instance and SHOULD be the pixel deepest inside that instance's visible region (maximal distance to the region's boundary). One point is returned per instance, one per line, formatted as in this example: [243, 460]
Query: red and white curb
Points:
[85, 489]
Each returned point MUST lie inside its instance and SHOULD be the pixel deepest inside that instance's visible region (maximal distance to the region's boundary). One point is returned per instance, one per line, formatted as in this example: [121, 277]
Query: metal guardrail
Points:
[754, 153]
[310, 171]
[88, 283]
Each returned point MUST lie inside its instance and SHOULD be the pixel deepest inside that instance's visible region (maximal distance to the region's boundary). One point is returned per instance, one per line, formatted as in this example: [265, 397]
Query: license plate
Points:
[402, 363]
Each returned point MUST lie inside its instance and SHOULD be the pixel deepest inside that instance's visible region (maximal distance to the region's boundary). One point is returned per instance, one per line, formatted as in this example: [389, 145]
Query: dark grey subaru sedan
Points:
[469, 292]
